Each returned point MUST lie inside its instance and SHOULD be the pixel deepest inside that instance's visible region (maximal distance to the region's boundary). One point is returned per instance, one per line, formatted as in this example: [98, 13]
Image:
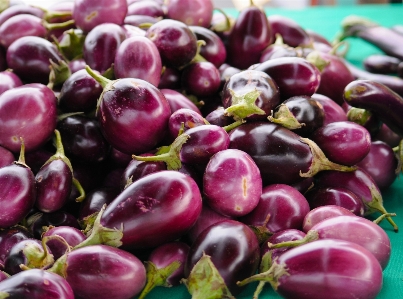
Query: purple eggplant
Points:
[170, 79]
[165, 266]
[21, 9]
[381, 163]
[138, 57]
[290, 31]
[365, 118]
[36, 284]
[278, 49]
[177, 100]
[88, 14]
[386, 135]
[145, 8]
[6, 157]
[249, 36]
[95, 200]
[29, 58]
[339, 267]
[167, 201]
[66, 238]
[201, 79]
[218, 117]
[321, 213]
[232, 183]
[280, 207]
[17, 191]
[381, 64]
[191, 12]
[184, 119]
[282, 156]
[101, 271]
[333, 112]
[294, 76]
[229, 247]
[344, 142]
[359, 182]
[11, 236]
[176, 43]
[8, 80]
[132, 103]
[136, 20]
[378, 99]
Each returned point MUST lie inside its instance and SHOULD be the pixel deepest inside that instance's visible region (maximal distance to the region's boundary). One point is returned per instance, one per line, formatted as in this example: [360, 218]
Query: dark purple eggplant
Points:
[101, 271]
[228, 247]
[176, 43]
[138, 57]
[386, 135]
[294, 76]
[66, 238]
[88, 14]
[378, 99]
[201, 79]
[95, 200]
[17, 191]
[381, 64]
[278, 49]
[165, 266]
[167, 201]
[290, 31]
[190, 12]
[334, 263]
[344, 142]
[333, 112]
[11, 236]
[29, 58]
[218, 117]
[170, 79]
[301, 114]
[31, 284]
[249, 36]
[132, 103]
[321, 213]
[282, 156]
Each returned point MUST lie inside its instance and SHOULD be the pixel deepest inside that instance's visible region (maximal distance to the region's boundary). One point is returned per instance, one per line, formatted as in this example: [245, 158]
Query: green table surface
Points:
[326, 20]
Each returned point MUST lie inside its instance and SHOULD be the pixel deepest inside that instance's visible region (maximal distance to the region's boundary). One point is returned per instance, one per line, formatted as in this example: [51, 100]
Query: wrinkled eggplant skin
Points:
[233, 248]
[36, 284]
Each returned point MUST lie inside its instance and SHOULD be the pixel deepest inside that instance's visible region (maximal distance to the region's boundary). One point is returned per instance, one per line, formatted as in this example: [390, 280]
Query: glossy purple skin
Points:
[101, 271]
[136, 20]
[6, 157]
[386, 135]
[204, 142]
[191, 12]
[133, 103]
[176, 43]
[201, 79]
[346, 142]
[304, 185]
[118, 158]
[277, 151]
[76, 65]
[58, 218]
[378, 99]
[20, 9]
[31, 284]
[249, 36]
[37, 158]
[30, 112]
[291, 32]
[170, 79]
[19, 26]
[17, 194]
[233, 248]
[82, 138]
[331, 267]
[29, 58]
[214, 50]
[307, 111]
[166, 254]
[247, 81]
[79, 93]
[219, 118]
[138, 57]
[360, 231]
[95, 199]
[8, 80]
[285, 235]
[226, 71]
[334, 78]
[146, 8]
[71, 235]
[189, 118]
[232, 183]
[207, 217]
[87, 14]
[380, 163]
[53, 185]
[294, 76]
[342, 197]
[358, 181]
[131, 31]
[321, 213]
[286, 206]
[333, 111]
[16, 255]
[155, 209]
[177, 100]
[275, 51]
[101, 45]
[9, 237]
[381, 64]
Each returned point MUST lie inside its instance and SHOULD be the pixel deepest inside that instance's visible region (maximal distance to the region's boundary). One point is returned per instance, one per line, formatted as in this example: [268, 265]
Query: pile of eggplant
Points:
[151, 143]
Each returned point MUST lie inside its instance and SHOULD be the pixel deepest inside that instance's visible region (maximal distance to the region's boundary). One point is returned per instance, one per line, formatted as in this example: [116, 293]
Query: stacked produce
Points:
[155, 143]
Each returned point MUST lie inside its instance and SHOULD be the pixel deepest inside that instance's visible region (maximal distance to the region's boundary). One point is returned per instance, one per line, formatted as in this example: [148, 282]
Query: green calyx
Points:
[244, 105]
[316, 59]
[205, 282]
[358, 115]
[71, 46]
[284, 117]
[59, 73]
[37, 258]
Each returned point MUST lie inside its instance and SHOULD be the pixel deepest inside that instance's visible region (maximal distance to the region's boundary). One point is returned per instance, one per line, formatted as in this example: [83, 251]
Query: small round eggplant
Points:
[11, 236]
[66, 238]
[8, 80]
[333, 112]
[291, 32]
[201, 79]
[321, 213]
[190, 12]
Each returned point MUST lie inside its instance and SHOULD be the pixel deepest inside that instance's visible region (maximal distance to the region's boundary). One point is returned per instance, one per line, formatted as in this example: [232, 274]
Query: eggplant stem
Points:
[99, 78]
[80, 189]
[311, 236]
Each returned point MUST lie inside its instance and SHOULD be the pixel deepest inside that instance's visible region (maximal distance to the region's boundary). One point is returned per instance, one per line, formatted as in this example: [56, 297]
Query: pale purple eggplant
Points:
[8, 80]
[191, 12]
[321, 213]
